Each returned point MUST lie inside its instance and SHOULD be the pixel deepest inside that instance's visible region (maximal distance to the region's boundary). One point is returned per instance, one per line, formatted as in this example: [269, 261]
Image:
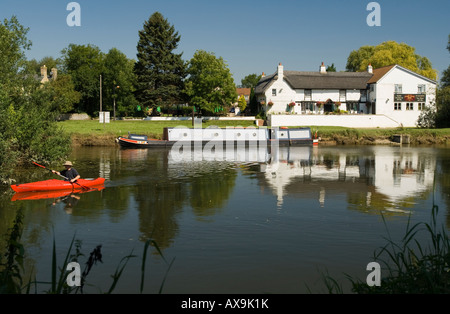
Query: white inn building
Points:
[390, 96]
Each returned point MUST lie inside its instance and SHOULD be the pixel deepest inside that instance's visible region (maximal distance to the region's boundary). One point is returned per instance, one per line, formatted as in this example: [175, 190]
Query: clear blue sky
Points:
[251, 36]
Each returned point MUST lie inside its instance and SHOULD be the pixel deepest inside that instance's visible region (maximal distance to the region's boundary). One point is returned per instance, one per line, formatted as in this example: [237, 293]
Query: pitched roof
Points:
[244, 91]
[379, 73]
[316, 80]
[264, 83]
[330, 80]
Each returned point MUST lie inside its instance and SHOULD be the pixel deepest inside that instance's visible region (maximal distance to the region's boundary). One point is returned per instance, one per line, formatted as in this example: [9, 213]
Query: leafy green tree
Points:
[34, 66]
[63, 96]
[160, 71]
[13, 44]
[28, 130]
[210, 85]
[388, 53]
[443, 107]
[242, 103]
[442, 116]
[254, 107]
[84, 63]
[250, 81]
[446, 74]
[119, 81]
[331, 68]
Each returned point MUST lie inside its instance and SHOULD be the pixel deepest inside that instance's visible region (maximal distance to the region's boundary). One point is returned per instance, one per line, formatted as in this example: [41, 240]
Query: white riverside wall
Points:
[350, 121]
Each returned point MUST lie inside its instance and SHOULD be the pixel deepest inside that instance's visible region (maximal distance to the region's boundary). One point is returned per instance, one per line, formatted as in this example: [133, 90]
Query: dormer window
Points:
[274, 92]
[308, 94]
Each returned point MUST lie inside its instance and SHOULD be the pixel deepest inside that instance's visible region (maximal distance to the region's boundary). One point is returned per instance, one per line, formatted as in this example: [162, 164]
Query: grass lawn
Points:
[153, 129]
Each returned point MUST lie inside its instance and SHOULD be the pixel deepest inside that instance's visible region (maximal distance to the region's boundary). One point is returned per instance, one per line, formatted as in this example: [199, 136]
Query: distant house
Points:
[394, 92]
[244, 92]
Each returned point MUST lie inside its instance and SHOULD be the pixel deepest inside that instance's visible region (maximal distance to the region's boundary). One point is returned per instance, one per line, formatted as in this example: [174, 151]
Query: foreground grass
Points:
[409, 266]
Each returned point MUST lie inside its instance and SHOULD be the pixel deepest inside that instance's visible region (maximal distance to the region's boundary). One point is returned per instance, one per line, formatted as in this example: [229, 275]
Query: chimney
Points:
[44, 74]
[54, 73]
[280, 71]
[323, 69]
[263, 75]
[369, 68]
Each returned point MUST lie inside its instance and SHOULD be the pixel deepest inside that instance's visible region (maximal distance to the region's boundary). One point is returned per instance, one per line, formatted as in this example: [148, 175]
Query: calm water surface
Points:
[241, 221]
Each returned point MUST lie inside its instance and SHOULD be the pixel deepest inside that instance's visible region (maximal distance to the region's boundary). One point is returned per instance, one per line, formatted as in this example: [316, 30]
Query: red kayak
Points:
[54, 185]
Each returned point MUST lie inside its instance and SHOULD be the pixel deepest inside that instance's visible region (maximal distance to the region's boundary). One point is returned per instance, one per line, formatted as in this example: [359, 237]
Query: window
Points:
[363, 94]
[397, 106]
[409, 106]
[342, 94]
[372, 88]
[421, 106]
[421, 89]
[398, 88]
[308, 94]
[274, 92]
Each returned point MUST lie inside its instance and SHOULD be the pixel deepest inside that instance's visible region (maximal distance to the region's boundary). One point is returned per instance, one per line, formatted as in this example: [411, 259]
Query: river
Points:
[242, 221]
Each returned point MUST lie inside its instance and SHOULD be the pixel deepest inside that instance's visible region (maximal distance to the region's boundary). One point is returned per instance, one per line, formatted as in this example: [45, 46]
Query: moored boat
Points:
[54, 185]
[141, 141]
[227, 136]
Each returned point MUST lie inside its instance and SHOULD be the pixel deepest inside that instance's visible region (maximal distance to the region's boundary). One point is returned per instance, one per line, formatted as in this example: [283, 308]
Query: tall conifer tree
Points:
[160, 72]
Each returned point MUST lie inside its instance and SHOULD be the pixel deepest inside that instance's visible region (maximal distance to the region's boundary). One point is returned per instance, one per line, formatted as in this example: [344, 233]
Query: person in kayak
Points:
[70, 173]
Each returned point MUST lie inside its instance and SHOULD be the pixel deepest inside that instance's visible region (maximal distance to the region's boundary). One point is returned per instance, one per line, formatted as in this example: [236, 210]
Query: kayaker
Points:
[70, 173]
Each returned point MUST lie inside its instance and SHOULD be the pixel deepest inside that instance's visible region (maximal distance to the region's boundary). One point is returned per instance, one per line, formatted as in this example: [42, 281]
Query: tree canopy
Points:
[28, 129]
[389, 53]
[160, 71]
[446, 74]
[84, 63]
[250, 81]
[210, 85]
[119, 81]
[443, 98]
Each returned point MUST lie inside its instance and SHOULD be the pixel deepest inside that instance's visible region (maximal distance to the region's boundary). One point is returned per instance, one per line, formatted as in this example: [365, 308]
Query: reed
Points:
[412, 266]
[12, 269]
[11, 263]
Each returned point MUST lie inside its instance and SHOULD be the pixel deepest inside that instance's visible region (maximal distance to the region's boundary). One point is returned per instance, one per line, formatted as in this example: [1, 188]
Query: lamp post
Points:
[114, 98]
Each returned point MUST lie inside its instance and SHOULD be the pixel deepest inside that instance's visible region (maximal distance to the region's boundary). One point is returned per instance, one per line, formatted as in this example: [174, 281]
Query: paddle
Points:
[82, 186]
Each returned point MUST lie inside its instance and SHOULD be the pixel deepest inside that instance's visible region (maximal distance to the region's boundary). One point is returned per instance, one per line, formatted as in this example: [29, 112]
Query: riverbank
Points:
[92, 133]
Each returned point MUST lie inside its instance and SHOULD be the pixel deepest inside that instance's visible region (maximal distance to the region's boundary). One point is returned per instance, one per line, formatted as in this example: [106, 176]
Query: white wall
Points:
[385, 89]
[351, 121]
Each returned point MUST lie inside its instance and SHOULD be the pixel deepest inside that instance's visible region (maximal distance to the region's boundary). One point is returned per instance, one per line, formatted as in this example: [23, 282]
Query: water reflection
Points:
[268, 216]
[69, 198]
[373, 178]
[387, 178]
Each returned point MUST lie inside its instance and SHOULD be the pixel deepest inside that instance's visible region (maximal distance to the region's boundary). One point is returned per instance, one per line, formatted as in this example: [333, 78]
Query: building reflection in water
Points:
[389, 175]
[385, 177]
